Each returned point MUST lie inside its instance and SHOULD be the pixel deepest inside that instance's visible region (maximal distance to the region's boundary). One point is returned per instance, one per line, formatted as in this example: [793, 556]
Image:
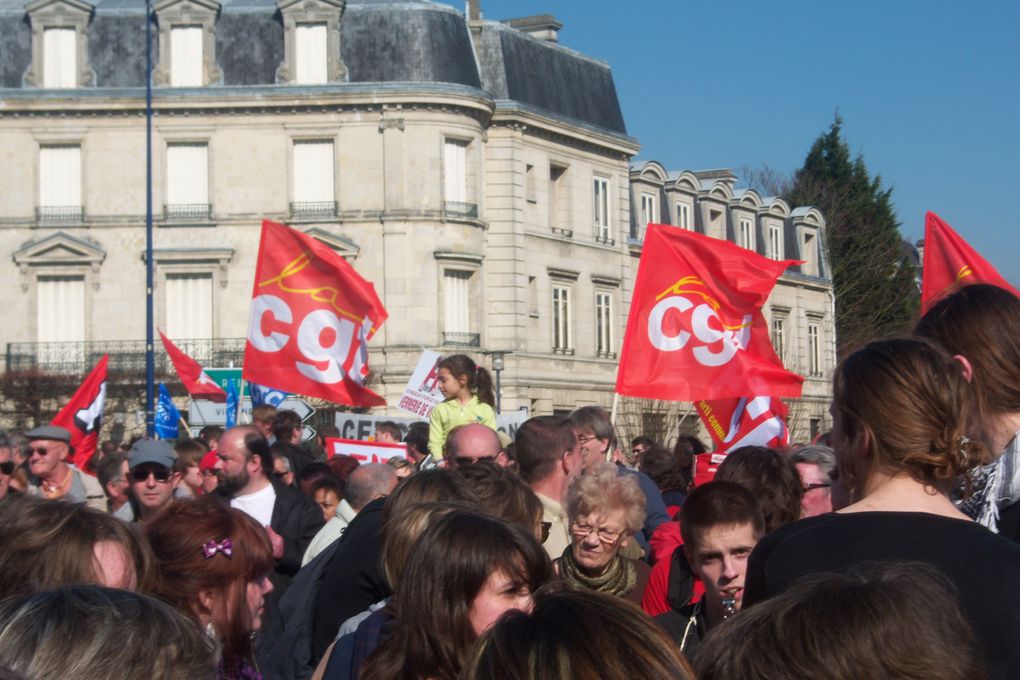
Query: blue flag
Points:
[167, 415]
[265, 395]
[232, 400]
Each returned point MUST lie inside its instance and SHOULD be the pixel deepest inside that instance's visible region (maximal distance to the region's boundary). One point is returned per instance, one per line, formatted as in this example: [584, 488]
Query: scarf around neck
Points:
[995, 487]
[619, 578]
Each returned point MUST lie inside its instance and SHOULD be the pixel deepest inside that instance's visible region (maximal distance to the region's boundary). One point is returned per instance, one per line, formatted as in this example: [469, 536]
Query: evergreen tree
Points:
[875, 286]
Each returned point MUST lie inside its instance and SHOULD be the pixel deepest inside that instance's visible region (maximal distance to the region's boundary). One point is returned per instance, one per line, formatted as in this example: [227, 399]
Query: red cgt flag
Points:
[311, 319]
[83, 414]
[196, 381]
[695, 329]
[758, 421]
[950, 262]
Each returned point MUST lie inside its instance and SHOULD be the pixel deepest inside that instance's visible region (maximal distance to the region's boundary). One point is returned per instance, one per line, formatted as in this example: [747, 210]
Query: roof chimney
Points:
[541, 26]
[474, 10]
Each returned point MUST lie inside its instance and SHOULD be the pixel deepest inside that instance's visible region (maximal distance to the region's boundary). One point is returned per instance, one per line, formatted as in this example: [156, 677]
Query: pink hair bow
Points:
[226, 546]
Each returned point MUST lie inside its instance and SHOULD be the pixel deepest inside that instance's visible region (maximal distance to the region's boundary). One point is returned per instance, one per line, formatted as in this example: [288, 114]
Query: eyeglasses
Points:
[810, 487]
[7, 468]
[161, 474]
[584, 531]
[41, 450]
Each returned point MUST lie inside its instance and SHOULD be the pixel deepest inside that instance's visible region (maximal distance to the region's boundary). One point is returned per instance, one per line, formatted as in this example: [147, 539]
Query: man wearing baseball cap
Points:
[153, 480]
[48, 449]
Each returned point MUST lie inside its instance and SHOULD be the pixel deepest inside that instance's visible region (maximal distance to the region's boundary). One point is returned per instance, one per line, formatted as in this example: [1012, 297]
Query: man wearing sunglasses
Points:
[48, 449]
[152, 476]
[6, 466]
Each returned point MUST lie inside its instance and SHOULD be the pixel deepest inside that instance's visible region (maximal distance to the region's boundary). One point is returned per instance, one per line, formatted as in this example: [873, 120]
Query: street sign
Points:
[202, 412]
[224, 376]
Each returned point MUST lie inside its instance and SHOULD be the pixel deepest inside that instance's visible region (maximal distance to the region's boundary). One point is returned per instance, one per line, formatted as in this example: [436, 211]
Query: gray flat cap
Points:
[50, 432]
[151, 451]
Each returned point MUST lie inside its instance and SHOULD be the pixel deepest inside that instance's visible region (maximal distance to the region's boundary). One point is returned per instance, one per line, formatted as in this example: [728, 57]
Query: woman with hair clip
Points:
[215, 563]
[467, 398]
[465, 571]
[980, 325]
[898, 430]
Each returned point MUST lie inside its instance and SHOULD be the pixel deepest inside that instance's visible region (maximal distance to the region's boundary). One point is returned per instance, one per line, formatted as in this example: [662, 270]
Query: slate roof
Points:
[382, 41]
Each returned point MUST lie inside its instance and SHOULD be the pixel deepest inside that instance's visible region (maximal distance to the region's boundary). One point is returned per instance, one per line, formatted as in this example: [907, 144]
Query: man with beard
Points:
[291, 519]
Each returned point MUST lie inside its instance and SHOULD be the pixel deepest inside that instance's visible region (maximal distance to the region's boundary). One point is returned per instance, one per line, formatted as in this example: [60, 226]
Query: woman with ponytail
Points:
[468, 398]
[899, 412]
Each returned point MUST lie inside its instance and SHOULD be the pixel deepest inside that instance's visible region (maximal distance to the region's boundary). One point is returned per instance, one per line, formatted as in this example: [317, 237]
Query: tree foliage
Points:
[875, 286]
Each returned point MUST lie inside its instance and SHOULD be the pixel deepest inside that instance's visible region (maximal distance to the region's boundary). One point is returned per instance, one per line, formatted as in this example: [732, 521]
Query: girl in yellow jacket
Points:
[467, 389]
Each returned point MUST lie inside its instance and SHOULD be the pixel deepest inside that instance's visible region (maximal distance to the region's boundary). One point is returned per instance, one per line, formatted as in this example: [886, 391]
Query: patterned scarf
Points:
[619, 578]
[995, 486]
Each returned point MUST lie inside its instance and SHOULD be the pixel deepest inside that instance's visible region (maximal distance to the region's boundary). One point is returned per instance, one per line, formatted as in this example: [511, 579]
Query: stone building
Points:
[476, 171]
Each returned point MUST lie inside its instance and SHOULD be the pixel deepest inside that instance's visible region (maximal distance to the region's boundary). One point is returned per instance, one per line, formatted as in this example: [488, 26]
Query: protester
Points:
[46, 545]
[288, 430]
[311, 474]
[210, 436]
[576, 634]
[504, 495]
[662, 467]
[210, 477]
[980, 325]
[898, 422]
[48, 449]
[7, 466]
[638, 447]
[417, 441]
[327, 494]
[290, 518]
[722, 523]
[772, 480]
[342, 466]
[468, 398]
[387, 432]
[597, 436]
[401, 467]
[98, 633]
[686, 448]
[886, 621]
[468, 569]
[214, 566]
[282, 469]
[366, 484]
[604, 511]
[153, 479]
[114, 474]
[262, 418]
[188, 466]
[816, 466]
[467, 444]
[549, 458]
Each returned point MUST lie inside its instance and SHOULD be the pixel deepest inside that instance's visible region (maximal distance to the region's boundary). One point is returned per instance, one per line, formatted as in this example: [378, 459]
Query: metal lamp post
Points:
[497, 368]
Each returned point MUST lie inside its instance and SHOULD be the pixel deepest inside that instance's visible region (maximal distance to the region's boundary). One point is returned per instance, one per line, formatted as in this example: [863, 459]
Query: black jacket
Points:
[297, 455]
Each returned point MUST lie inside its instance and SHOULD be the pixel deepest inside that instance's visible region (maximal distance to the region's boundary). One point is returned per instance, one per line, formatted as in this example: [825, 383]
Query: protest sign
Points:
[365, 452]
[422, 391]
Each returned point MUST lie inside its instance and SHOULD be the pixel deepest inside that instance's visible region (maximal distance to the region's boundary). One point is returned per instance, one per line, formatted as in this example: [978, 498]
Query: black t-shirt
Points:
[985, 568]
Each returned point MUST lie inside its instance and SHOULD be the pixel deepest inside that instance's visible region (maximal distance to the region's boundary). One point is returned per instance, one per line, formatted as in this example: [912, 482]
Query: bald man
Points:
[471, 443]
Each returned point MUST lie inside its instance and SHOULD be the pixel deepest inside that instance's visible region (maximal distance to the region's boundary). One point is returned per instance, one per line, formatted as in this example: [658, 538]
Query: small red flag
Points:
[695, 329]
[196, 381]
[950, 262]
[311, 319]
[732, 423]
[82, 416]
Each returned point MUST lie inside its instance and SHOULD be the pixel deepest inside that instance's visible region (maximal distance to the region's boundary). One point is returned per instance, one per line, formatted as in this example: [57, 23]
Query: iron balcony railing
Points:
[313, 209]
[125, 355]
[458, 209]
[461, 339]
[60, 213]
[183, 212]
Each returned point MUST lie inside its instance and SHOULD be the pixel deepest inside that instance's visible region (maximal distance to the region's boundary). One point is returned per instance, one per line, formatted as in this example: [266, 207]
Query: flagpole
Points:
[240, 402]
[150, 357]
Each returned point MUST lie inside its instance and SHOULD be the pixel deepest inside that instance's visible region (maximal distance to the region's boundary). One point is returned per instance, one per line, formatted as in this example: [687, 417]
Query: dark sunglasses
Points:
[41, 450]
[161, 474]
[7, 468]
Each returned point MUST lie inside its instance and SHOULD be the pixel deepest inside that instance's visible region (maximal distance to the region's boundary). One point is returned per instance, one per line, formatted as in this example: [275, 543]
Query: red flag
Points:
[82, 416]
[758, 421]
[196, 381]
[695, 329]
[706, 465]
[950, 262]
[311, 319]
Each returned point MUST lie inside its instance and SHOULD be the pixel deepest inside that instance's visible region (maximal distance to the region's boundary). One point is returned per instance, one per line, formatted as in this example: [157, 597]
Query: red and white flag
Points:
[950, 262]
[695, 329]
[82, 416]
[311, 319]
[755, 421]
[196, 381]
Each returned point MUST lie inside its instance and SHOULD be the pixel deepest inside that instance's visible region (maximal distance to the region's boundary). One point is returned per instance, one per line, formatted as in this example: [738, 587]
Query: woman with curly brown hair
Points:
[214, 564]
[898, 428]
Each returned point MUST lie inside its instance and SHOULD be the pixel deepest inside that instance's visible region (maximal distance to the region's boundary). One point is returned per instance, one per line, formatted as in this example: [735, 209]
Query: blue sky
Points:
[929, 92]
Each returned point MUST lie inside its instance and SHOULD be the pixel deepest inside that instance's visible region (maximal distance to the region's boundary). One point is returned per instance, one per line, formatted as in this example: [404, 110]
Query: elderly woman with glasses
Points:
[604, 510]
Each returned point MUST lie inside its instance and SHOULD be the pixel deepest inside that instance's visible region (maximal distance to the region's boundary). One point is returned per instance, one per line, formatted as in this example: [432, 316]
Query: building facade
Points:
[477, 172]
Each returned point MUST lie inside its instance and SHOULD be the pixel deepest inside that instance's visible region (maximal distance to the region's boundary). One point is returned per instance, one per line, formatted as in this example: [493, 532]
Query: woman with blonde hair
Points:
[604, 511]
[898, 429]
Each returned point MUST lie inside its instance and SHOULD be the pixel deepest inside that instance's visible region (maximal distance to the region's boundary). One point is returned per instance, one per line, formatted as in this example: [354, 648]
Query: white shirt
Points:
[331, 531]
[258, 505]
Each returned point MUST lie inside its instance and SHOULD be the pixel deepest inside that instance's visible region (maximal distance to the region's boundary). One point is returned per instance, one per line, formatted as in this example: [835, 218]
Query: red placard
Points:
[365, 452]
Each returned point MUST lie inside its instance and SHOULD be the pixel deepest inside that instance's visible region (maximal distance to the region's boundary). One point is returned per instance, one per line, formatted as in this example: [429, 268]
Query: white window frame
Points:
[602, 210]
[457, 285]
[814, 340]
[809, 252]
[455, 170]
[60, 57]
[186, 67]
[185, 319]
[779, 339]
[649, 209]
[311, 53]
[187, 179]
[604, 347]
[683, 216]
[60, 182]
[745, 235]
[561, 317]
[313, 177]
[775, 242]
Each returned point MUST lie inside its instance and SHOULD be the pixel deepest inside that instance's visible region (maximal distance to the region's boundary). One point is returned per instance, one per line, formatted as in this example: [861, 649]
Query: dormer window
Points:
[311, 54]
[187, 47]
[186, 56]
[311, 39]
[59, 44]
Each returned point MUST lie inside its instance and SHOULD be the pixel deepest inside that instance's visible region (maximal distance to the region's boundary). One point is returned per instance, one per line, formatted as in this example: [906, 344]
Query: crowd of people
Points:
[886, 549]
